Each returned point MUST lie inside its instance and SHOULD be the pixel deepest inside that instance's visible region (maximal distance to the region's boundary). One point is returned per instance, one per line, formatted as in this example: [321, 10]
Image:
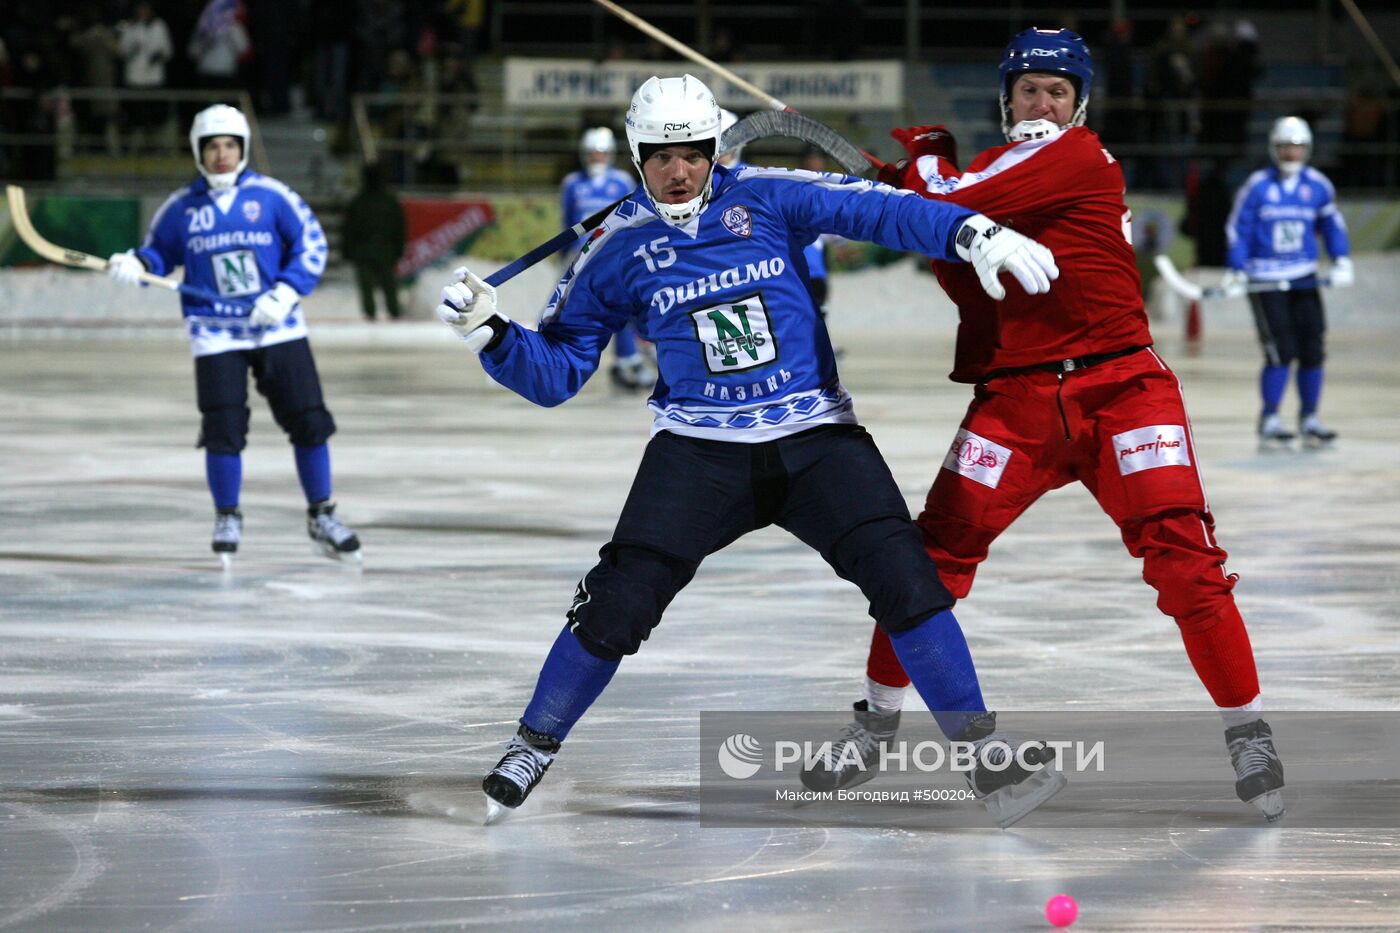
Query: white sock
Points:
[1242, 715]
[882, 698]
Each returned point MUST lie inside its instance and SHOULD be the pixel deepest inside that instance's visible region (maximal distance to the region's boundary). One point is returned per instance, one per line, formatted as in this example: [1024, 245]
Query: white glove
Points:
[1343, 272]
[993, 249]
[125, 267]
[1233, 282]
[469, 307]
[273, 306]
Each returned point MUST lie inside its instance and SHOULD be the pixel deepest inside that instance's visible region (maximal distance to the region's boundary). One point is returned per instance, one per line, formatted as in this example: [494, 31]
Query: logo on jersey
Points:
[1156, 445]
[252, 210]
[737, 221]
[736, 335]
[236, 273]
[977, 458]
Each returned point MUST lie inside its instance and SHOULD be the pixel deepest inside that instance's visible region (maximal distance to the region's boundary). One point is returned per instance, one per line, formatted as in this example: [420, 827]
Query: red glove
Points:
[927, 140]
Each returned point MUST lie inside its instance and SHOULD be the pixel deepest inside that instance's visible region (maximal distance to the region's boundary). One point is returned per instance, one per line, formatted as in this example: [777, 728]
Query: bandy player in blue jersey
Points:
[253, 241]
[751, 426]
[1273, 231]
[583, 193]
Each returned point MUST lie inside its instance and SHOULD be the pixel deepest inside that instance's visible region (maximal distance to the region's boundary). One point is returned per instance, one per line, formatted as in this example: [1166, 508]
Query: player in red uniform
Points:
[1068, 389]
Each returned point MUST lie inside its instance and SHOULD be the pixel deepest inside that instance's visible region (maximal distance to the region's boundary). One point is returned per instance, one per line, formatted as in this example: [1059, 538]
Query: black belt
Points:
[1063, 366]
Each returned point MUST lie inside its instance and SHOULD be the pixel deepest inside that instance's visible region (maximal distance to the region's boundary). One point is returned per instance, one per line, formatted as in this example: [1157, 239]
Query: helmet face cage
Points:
[674, 112]
[1290, 131]
[1047, 51]
[220, 120]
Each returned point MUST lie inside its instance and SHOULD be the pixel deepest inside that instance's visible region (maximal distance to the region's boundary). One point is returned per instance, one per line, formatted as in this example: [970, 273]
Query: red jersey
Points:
[1066, 192]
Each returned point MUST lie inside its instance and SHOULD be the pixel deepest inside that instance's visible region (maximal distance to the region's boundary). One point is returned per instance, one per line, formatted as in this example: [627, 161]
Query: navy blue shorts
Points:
[284, 373]
[829, 486]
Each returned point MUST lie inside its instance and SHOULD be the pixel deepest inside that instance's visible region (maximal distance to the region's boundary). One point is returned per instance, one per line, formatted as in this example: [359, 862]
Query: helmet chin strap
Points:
[1032, 129]
[1290, 169]
[220, 181]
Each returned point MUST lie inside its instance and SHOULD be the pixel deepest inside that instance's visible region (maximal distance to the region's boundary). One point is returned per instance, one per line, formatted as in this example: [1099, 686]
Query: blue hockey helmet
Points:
[1047, 51]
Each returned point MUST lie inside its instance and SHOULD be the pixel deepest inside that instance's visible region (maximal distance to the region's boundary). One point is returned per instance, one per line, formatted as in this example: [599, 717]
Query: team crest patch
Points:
[977, 458]
[737, 220]
[252, 210]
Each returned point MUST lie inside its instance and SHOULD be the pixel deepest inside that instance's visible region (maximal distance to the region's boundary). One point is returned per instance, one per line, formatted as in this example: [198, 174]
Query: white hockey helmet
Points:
[1290, 131]
[597, 139]
[671, 112]
[220, 120]
[728, 118]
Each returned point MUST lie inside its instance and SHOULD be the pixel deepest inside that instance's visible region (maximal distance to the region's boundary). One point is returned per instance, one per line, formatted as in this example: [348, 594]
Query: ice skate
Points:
[855, 752]
[1273, 435]
[1008, 790]
[329, 534]
[1258, 770]
[633, 373]
[528, 756]
[1316, 435]
[228, 532]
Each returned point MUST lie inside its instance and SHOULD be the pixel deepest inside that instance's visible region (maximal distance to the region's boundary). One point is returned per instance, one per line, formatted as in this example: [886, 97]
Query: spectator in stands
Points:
[379, 29]
[97, 52]
[272, 27]
[1229, 68]
[1169, 88]
[374, 235]
[1117, 119]
[332, 36]
[219, 44]
[144, 44]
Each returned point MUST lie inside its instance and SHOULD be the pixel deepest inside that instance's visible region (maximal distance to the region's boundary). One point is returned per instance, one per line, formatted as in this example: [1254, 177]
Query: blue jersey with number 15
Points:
[743, 354]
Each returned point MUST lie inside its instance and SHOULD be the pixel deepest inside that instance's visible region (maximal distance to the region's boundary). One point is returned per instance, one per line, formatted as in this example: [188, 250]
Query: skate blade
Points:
[226, 561]
[1270, 804]
[1317, 443]
[1276, 446]
[354, 558]
[495, 812]
[1010, 805]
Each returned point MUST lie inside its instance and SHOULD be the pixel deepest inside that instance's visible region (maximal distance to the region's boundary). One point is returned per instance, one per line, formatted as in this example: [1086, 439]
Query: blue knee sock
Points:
[224, 473]
[935, 656]
[570, 681]
[314, 471]
[1309, 389]
[625, 342]
[1272, 381]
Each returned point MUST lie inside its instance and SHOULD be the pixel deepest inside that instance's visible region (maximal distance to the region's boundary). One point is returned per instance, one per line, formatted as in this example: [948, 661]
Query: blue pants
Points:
[284, 373]
[828, 485]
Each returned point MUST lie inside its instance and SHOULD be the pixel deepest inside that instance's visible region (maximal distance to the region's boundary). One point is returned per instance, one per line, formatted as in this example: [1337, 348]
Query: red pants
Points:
[1121, 429]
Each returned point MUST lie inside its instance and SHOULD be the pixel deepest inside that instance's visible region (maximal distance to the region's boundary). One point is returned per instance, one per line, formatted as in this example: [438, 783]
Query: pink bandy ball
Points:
[1061, 910]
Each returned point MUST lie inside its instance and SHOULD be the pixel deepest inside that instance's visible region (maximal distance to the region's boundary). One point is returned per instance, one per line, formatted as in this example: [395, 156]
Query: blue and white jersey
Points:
[582, 196]
[237, 244]
[815, 254]
[743, 354]
[1272, 230]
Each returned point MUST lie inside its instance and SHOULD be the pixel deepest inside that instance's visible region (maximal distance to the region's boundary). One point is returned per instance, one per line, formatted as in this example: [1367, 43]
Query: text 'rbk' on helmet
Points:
[674, 112]
[220, 120]
[1047, 51]
[1290, 131]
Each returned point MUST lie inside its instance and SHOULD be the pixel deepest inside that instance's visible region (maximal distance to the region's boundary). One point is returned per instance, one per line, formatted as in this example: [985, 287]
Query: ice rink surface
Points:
[297, 746]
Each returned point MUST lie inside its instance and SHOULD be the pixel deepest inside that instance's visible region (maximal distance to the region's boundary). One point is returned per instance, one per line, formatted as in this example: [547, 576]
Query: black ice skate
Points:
[1009, 791]
[528, 756]
[1273, 435]
[855, 752]
[228, 532]
[329, 533]
[1258, 770]
[1316, 435]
